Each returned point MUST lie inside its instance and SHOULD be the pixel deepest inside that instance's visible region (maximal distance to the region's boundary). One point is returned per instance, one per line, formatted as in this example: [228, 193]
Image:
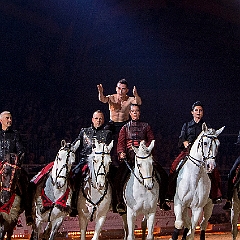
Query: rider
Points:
[189, 134]
[11, 144]
[119, 106]
[87, 136]
[233, 178]
[131, 134]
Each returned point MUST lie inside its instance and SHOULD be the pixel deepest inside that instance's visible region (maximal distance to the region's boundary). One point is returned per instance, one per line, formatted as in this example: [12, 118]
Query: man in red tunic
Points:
[131, 134]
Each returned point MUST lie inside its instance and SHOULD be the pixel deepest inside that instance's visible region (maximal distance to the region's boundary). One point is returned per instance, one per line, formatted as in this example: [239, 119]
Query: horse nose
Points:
[149, 186]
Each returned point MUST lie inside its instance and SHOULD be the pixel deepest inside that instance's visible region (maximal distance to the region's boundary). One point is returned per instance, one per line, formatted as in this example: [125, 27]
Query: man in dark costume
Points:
[189, 134]
[233, 179]
[11, 145]
[87, 136]
[131, 134]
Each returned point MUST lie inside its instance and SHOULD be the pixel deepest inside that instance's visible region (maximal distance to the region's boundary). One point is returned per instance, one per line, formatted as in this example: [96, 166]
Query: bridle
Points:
[201, 144]
[104, 172]
[58, 173]
[141, 179]
[14, 167]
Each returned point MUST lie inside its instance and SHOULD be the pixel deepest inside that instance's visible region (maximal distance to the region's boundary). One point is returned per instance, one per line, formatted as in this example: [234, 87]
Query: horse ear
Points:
[204, 127]
[63, 143]
[75, 146]
[151, 146]
[220, 130]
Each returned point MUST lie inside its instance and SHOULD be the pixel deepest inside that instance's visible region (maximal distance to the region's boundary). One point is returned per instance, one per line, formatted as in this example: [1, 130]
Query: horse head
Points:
[207, 145]
[100, 160]
[144, 163]
[63, 163]
[7, 180]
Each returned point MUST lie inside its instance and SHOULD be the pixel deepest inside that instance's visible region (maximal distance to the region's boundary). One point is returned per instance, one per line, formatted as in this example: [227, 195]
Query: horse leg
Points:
[150, 225]
[83, 222]
[125, 226]
[178, 221]
[144, 227]
[187, 223]
[55, 226]
[195, 217]
[99, 223]
[131, 218]
[47, 231]
[207, 212]
[235, 216]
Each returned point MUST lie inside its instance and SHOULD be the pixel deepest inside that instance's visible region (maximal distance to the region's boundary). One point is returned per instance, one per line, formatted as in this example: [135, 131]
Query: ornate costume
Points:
[131, 134]
[87, 136]
[10, 143]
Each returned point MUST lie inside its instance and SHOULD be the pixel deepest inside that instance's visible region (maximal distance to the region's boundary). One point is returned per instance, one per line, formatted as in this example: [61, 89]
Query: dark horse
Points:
[10, 207]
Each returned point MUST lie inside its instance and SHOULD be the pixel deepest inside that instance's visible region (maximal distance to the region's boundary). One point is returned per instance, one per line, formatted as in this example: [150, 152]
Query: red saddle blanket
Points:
[42, 173]
[6, 207]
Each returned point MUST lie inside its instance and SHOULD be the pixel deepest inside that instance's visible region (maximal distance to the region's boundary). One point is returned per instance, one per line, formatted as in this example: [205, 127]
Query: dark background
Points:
[53, 54]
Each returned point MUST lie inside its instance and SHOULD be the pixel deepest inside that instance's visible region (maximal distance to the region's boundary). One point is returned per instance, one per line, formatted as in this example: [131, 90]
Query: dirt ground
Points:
[209, 236]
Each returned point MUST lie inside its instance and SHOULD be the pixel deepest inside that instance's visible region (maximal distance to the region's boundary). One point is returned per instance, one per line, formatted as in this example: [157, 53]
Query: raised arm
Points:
[101, 96]
[136, 96]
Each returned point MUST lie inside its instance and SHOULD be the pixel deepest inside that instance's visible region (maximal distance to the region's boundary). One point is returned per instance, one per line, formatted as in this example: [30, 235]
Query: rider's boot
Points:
[123, 173]
[26, 196]
[171, 187]
[162, 179]
[74, 211]
[215, 192]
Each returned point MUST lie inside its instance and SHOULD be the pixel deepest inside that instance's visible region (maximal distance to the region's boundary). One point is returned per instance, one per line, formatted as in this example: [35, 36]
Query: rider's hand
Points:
[135, 91]
[100, 88]
[186, 144]
[122, 156]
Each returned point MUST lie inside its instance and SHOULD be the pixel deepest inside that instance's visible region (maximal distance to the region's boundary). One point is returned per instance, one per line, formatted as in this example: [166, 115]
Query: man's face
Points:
[97, 120]
[197, 113]
[6, 121]
[121, 89]
[134, 113]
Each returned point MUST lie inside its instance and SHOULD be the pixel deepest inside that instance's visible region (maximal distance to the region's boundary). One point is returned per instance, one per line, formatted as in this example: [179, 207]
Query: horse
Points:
[52, 198]
[141, 192]
[95, 195]
[235, 210]
[193, 183]
[10, 198]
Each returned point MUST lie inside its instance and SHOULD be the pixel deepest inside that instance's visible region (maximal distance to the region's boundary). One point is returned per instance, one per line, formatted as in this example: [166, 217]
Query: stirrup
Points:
[121, 208]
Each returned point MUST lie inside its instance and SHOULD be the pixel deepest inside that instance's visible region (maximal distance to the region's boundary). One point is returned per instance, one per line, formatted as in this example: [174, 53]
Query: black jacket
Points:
[10, 142]
[86, 137]
[190, 132]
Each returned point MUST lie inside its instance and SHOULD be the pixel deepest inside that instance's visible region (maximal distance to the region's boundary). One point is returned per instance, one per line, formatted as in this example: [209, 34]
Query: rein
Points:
[12, 175]
[141, 179]
[64, 166]
[96, 174]
[200, 163]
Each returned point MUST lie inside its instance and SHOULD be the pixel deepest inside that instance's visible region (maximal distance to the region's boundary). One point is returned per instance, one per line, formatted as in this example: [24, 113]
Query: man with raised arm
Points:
[119, 107]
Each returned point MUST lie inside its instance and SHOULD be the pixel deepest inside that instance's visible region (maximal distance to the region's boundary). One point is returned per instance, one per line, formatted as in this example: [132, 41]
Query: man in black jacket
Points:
[11, 145]
[87, 136]
[189, 134]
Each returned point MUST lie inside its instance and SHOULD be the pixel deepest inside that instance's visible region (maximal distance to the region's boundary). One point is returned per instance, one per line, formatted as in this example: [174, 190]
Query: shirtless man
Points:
[119, 107]
[120, 102]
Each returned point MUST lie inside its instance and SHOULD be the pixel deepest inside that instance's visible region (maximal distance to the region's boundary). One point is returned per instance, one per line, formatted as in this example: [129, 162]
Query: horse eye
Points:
[139, 165]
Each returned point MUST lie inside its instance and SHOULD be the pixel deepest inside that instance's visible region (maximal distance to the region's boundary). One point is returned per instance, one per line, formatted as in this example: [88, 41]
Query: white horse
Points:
[95, 195]
[141, 191]
[193, 183]
[53, 196]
